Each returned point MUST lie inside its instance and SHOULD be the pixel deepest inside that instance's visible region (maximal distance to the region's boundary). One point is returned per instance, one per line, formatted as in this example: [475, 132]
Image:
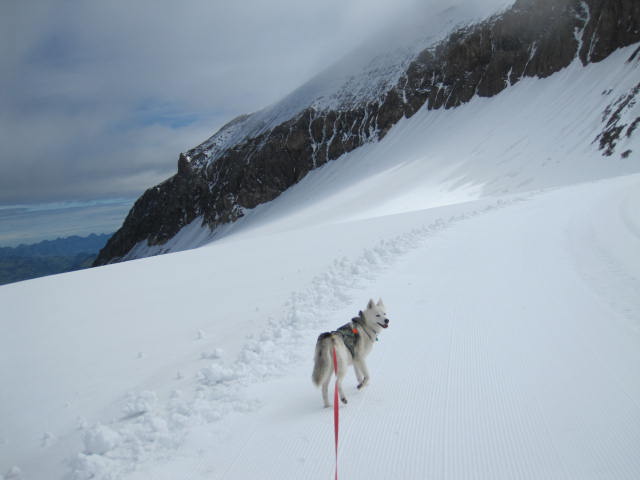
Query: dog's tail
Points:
[323, 364]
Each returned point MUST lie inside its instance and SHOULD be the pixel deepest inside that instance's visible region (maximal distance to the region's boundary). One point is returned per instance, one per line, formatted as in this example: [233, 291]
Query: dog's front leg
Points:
[364, 372]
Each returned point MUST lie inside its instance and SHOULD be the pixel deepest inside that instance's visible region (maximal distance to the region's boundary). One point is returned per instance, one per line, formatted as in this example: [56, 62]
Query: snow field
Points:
[508, 382]
[146, 338]
[149, 431]
[501, 362]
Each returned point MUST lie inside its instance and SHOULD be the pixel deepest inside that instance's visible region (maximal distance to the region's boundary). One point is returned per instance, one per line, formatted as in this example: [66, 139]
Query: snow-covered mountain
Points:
[443, 59]
[503, 235]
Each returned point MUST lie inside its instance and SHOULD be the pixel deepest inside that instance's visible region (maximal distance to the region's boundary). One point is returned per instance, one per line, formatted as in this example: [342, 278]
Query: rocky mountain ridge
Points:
[248, 163]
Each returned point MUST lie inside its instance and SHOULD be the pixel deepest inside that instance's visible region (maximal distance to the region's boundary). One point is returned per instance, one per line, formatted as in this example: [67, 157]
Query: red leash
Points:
[336, 415]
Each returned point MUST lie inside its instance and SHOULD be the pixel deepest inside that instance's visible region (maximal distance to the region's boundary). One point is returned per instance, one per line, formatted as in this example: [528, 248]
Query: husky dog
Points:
[353, 342]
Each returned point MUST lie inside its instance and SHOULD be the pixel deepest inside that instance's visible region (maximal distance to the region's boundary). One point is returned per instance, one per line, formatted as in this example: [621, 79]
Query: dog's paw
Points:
[364, 382]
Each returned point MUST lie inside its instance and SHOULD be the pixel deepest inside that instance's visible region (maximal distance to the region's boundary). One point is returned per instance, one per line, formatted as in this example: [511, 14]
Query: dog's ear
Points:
[380, 304]
[371, 304]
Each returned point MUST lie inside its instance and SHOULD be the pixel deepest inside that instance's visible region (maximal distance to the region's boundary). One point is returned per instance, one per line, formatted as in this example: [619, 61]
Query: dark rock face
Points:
[533, 38]
[612, 24]
[615, 126]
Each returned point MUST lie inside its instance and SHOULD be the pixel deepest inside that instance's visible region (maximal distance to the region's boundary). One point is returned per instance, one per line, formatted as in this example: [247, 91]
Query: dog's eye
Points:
[378, 316]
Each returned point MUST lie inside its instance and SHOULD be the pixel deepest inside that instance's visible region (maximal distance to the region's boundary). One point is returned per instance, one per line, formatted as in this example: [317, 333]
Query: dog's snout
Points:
[386, 321]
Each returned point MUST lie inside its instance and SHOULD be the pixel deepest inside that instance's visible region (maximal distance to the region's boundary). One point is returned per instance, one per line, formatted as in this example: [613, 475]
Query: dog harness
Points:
[349, 336]
[350, 333]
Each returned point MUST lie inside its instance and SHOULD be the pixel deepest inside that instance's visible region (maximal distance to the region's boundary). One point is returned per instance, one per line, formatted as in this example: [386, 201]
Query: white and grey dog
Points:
[353, 342]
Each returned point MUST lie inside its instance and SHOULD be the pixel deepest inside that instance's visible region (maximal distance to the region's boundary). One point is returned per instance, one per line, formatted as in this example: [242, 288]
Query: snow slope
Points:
[506, 358]
[536, 134]
[505, 247]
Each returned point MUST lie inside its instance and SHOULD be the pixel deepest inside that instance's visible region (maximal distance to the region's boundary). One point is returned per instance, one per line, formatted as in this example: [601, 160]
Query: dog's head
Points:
[375, 315]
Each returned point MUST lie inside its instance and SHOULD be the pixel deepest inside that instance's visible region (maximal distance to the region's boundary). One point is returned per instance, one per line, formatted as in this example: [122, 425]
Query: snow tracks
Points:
[151, 430]
[501, 362]
[505, 359]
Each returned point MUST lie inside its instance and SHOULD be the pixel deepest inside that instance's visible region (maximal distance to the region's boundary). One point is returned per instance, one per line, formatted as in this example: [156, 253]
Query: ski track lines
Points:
[524, 391]
[588, 236]
[486, 372]
[220, 394]
[463, 415]
[508, 385]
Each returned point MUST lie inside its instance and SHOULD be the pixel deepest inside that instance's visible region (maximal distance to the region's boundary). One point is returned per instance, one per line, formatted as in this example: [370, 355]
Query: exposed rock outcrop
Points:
[617, 123]
[240, 168]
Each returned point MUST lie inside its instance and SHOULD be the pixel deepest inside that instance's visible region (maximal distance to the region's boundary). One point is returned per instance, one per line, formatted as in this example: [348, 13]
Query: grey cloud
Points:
[100, 97]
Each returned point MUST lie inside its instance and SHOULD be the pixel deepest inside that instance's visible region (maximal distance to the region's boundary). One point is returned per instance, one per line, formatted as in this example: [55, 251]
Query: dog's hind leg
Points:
[323, 366]
[325, 392]
[341, 373]
[342, 368]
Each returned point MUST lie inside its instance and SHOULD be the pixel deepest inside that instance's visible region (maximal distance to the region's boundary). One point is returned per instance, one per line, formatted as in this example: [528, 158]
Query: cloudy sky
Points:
[100, 97]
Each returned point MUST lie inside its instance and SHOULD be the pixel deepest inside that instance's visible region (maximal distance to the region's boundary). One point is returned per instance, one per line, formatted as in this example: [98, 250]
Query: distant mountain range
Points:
[49, 257]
